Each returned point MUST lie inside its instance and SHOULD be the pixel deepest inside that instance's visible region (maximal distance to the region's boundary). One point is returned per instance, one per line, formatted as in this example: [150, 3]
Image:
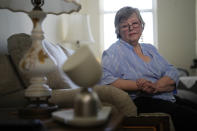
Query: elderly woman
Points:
[141, 71]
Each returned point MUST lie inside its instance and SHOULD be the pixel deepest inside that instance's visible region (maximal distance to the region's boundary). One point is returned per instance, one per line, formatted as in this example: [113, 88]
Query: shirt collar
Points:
[129, 45]
[124, 43]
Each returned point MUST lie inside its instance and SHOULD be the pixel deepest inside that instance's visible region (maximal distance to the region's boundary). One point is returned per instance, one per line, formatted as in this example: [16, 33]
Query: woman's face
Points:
[131, 29]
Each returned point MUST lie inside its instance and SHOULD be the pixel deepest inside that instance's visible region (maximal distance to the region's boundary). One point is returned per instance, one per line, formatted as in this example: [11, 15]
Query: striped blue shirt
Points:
[120, 61]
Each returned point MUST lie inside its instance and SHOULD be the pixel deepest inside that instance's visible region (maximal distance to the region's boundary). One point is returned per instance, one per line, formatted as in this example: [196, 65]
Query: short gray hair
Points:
[123, 14]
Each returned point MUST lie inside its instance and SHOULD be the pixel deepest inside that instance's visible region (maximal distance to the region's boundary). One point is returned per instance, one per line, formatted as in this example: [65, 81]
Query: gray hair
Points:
[123, 14]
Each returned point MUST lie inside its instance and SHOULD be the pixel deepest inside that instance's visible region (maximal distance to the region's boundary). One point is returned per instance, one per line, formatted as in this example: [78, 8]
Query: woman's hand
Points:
[140, 83]
[149, 87]
[145, 86]
[165, 84]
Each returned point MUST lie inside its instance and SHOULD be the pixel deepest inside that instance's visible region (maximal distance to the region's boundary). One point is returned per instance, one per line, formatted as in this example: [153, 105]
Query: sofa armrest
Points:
[13, 100]
[64, 98]
[118, 98]
[111, 96]
[9, 80]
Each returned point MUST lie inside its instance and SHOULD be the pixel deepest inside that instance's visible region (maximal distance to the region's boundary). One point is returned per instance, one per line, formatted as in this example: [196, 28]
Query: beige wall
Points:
[176, 31]
[176, 28]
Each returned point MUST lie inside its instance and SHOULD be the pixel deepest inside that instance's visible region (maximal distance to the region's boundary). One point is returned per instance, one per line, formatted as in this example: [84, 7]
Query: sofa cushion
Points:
[58, 79]
[9, 82]
[187, 92]
[18, 44]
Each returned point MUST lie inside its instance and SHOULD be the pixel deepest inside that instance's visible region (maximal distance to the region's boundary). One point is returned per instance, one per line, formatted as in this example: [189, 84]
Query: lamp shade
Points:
[50, 6]
[79, 30]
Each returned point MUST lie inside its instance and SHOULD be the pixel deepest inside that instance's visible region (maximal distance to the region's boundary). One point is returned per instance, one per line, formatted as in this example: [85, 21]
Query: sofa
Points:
[187, 88]
[13, 83]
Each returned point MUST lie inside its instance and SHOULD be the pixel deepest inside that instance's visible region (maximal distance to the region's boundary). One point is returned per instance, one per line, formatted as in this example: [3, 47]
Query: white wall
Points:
[176, 31]
[11, 23]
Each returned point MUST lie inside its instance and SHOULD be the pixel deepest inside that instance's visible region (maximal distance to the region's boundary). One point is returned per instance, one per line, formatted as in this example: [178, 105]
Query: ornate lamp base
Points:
[37, 108]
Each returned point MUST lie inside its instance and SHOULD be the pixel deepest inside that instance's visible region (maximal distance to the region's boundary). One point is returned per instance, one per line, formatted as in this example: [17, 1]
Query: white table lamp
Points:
[36, 62]
[79, 31]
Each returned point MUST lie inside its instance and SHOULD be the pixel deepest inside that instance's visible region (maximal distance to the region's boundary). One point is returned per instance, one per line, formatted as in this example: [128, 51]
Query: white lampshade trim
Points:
[55, 7]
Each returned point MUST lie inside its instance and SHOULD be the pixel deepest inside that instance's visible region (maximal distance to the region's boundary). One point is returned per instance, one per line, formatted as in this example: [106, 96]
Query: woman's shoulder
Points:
[113, 51]
[114, 47]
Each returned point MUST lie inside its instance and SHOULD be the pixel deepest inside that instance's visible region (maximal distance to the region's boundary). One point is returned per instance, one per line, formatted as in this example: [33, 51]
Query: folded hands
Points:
[150, 87]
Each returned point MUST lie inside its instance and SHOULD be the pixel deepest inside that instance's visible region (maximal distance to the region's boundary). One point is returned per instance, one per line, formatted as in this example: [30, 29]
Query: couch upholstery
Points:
[11, 89]
[188, 90]
[13, 82]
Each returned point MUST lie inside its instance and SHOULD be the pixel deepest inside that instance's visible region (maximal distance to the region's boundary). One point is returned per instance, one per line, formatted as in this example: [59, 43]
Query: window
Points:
[146, 8]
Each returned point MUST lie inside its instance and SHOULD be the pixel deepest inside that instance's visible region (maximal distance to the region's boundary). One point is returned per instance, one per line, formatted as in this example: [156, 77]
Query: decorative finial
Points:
[37, 4]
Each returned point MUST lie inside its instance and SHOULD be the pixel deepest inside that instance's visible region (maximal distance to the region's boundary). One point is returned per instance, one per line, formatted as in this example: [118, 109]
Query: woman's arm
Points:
[128, 85]
[164, 84]
[170, 75]
[138, 85]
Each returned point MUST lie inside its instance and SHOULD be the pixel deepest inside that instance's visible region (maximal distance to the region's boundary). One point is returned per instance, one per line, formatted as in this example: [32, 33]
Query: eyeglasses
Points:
[128, 26]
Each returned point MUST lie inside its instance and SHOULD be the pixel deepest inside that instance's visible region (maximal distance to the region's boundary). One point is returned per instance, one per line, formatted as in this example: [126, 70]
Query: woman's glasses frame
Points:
[128, 26]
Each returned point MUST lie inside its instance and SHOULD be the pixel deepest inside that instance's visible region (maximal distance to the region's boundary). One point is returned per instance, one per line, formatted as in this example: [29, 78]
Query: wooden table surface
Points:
[9, 118]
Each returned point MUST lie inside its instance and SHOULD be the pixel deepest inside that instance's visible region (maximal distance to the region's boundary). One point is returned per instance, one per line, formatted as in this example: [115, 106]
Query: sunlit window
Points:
[147, 12]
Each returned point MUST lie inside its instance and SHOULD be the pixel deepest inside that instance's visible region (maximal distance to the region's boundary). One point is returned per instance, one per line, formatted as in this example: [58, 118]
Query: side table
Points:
[147, 122]
[9, 119]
